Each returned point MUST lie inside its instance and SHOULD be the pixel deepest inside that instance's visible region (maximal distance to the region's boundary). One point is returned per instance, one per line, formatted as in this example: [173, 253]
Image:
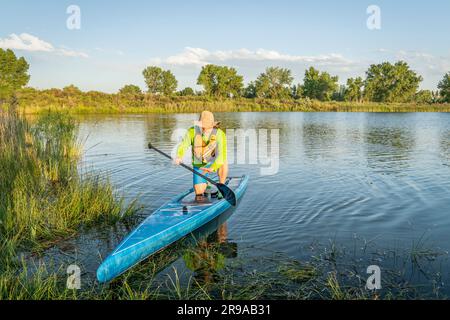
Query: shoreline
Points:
[165, 106]
[31, 101]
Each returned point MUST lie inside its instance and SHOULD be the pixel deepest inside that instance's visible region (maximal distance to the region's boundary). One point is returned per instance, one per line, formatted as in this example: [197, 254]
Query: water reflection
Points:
[389, 149]
[445, 147]
[380, 176]
[319, 140]
[209, 257]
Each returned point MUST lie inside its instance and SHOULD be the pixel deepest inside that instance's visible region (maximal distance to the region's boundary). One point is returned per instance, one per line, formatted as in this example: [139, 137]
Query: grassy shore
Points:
[331, 272]
[43, 198]
[32, 102]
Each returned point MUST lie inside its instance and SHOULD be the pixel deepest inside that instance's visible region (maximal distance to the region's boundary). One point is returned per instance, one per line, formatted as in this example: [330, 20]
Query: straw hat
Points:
[207, 120]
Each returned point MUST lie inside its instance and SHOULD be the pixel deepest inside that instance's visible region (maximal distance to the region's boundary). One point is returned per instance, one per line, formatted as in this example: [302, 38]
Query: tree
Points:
[320, 86]
[424, 96]
[339, 94]
[71, 90]
[297, 91]
[220, 81]
[160, 81]
[354, 90]
[274, 83]
[188, 91]
[444, 88]
[13, 74]
[130, 90]
[130, 95]
[386, 82]
[249, 91]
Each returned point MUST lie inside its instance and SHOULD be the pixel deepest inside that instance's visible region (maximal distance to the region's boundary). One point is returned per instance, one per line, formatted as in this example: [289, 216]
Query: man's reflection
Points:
[209, 257]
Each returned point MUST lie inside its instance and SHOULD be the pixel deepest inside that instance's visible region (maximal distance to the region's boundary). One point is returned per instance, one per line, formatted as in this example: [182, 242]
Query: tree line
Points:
[384, 82]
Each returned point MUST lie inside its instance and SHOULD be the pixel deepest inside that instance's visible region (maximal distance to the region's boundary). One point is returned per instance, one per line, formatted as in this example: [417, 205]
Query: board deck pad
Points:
[171, 222]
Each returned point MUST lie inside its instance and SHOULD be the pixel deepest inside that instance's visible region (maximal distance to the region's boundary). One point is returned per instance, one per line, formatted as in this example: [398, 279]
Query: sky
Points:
[116, 40]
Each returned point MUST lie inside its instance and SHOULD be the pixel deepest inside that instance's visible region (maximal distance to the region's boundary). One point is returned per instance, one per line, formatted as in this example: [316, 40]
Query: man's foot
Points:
[200, 198]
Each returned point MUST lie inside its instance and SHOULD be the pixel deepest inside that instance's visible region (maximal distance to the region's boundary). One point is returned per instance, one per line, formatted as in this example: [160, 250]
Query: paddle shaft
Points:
[183, 165]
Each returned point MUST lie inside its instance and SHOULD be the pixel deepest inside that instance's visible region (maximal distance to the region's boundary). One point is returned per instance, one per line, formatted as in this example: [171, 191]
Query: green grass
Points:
[44, 199]
[266, 276]
[33, 101]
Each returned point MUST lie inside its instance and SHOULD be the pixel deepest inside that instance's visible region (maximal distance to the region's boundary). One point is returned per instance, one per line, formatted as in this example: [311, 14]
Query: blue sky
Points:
[118, 39]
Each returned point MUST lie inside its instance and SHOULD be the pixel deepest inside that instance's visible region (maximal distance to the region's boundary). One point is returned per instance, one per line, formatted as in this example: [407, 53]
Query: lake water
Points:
[381, 178]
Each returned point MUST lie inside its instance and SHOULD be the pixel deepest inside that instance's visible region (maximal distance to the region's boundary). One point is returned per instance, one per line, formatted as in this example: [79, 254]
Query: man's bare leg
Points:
[200, 188]
[223, 172]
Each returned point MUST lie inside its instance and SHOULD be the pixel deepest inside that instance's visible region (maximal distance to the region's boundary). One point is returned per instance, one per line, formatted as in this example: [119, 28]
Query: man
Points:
[209, 152]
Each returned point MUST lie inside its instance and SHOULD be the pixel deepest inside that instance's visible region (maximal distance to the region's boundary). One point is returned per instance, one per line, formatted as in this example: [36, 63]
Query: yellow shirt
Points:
[221, 149]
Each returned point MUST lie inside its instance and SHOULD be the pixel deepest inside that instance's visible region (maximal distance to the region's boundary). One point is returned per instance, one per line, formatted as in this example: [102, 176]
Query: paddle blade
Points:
[227, 193]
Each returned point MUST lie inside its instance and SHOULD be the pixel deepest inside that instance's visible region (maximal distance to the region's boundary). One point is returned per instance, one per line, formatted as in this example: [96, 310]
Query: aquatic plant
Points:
[44, 198]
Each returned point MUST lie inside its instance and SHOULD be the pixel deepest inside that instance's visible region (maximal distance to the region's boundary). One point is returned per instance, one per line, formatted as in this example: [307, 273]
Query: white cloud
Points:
[71, 53]
[200, 57]
[428, 65]
[251, 62]
[431, 67]
[28, 42]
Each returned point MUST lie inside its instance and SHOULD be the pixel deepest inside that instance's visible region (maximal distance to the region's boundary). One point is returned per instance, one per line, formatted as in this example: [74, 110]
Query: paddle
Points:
[226, 192]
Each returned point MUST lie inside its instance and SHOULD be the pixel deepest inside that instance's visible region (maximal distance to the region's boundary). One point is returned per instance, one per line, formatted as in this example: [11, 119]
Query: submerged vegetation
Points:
[330, 272]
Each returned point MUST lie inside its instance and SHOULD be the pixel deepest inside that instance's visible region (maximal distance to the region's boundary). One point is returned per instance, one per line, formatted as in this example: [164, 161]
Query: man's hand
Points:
[178, 161]
[207, 170]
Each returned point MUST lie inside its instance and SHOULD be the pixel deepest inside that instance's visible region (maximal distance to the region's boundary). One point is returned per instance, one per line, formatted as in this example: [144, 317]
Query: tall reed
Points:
[43, 197]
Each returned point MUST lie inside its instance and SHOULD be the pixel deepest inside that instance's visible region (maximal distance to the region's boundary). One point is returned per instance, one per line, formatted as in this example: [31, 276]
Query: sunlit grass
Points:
[44, 199]
[265, 277]
[33, 102]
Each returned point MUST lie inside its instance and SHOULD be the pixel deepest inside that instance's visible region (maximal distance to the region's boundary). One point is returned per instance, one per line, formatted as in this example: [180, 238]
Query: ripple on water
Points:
[380, 176]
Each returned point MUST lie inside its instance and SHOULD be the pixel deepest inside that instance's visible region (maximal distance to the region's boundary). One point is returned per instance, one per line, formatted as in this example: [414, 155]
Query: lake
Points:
[342, 178]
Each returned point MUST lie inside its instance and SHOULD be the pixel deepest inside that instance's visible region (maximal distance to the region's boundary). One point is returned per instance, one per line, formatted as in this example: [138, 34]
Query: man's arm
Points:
[184, 145]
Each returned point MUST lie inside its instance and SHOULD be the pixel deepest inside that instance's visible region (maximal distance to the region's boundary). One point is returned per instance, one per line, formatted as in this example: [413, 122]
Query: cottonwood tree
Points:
[354, 89]
[71, 90]
[388, 82]
[424, 96]
[274, 83]
[130, 90]
[220, 81]
[188, 91]
[320, 86]
[131, 94]
[160, 81]
[249, 91]
[297, 91]
[13, 74]
[444, 88]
